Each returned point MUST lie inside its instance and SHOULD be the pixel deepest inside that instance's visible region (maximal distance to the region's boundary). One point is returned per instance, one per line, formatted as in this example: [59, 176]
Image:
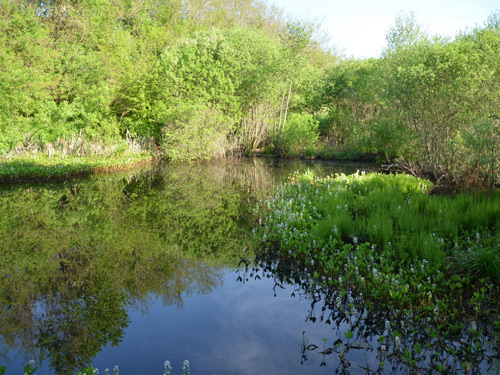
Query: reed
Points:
[75, 157]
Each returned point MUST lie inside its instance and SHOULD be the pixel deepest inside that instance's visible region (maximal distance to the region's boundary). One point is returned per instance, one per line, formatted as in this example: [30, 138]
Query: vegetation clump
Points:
[201, 79]
[380, 243]
[77, 157]
[429, 104]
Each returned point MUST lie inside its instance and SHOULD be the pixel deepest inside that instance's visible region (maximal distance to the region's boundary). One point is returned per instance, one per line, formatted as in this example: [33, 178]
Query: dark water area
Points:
[135, 269]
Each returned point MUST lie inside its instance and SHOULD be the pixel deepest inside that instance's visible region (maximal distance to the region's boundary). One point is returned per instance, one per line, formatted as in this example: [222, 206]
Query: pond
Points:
[136, 269]
[132, 270]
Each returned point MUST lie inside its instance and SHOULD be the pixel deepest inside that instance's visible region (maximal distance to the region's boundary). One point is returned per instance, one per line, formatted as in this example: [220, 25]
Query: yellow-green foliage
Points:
[192, 75]
[429, 100]
[44, 168]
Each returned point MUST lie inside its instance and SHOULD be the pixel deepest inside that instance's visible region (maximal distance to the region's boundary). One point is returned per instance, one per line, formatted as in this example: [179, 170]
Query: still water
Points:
[132, 270]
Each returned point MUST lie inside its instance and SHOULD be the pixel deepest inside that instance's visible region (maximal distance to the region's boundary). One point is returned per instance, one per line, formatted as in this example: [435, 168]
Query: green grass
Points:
[73, 157]
[394, 213]
[40, 167]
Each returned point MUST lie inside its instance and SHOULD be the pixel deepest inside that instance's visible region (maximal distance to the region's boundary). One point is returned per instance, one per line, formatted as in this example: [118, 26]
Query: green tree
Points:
[437, 88]
[352, 99]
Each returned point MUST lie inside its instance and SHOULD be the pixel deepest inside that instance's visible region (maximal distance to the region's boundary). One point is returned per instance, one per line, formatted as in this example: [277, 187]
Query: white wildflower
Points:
[168, 368]
[338, 301]
[397, 341]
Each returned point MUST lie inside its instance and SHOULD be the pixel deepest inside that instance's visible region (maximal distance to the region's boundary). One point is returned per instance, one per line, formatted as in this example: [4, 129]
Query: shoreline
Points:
[28, 169]
[362, 157]
[42, 169]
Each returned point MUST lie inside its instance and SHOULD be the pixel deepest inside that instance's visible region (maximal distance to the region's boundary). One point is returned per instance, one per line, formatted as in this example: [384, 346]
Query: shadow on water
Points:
[77, 258]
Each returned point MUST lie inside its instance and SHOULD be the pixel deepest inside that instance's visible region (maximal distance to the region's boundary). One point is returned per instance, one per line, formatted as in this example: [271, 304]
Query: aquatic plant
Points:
[393, 213]
[43, 168]
[30, 369]
[374, 242]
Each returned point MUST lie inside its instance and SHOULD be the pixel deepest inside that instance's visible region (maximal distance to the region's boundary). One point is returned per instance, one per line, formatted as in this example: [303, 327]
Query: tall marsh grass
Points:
[80, 146]
[75, 157]
[427, 265]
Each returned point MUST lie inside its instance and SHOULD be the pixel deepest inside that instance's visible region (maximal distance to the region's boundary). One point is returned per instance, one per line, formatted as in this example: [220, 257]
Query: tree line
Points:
[202, 78]
[431, 104]
[207, 78]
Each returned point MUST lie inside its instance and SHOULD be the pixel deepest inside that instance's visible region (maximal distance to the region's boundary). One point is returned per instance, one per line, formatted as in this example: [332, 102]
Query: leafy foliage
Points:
[377, 247]
[432, 101]
[205, 80]
[299, 136]
[149, 70]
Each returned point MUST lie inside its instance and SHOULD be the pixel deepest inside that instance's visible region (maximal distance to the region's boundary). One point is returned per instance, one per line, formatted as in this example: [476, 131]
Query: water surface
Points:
[132, 270]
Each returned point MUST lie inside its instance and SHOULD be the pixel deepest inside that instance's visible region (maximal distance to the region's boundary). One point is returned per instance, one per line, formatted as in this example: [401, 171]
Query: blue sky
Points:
[358, 27]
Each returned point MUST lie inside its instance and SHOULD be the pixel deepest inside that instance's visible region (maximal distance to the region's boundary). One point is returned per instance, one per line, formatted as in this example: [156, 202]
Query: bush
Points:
[299, 136]
[195, 131]
[480, 256]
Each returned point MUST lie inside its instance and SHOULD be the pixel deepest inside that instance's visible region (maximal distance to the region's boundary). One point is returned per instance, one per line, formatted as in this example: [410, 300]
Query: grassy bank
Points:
[44, 169]
[72, 158]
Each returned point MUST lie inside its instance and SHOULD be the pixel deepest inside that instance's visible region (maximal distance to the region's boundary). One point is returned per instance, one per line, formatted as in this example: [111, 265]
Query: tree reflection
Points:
[73, 325]
[75, 257]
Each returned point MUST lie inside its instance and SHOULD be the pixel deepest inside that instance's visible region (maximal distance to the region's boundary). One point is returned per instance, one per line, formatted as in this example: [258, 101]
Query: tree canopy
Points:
[207, 78]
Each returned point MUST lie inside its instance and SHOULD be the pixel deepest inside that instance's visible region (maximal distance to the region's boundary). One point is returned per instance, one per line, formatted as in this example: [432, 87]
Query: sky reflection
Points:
[239, 328]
